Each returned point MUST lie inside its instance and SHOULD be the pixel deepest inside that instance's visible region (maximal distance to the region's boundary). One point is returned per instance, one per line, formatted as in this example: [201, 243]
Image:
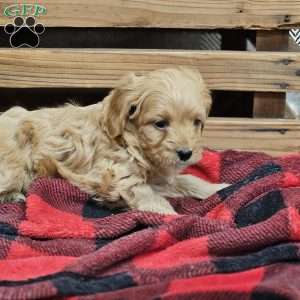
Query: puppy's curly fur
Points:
[127, 150]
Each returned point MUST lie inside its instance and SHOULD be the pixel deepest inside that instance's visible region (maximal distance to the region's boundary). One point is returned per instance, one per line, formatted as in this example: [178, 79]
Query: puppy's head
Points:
[166, 110]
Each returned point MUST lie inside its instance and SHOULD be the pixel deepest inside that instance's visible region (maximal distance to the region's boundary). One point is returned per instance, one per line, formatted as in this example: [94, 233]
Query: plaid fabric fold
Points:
[241, 243]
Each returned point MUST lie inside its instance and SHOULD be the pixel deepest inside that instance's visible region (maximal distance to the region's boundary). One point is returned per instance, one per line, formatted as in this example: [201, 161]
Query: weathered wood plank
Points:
[270, 105]
[276, 40]
[271, 136]
[249, 14]
[223, 70]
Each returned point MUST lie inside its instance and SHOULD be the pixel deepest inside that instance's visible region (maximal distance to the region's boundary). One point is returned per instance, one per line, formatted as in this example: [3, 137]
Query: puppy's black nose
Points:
[184, 153]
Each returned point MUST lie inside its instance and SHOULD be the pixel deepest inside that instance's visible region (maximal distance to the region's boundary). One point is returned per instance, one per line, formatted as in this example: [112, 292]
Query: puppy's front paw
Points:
[158, 209]
[213, 188]
[162, 208]
[225, 185]
[221, 186]
[142, 197]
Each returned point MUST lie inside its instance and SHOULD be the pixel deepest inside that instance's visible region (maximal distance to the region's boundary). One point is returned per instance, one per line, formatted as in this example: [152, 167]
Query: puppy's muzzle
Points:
[184, 154]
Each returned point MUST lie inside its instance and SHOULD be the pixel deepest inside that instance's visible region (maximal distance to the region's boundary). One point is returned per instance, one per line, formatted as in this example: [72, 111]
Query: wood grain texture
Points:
[275, 137]
[270, 105]
[275, 40]
[223, 70]
[249, 14]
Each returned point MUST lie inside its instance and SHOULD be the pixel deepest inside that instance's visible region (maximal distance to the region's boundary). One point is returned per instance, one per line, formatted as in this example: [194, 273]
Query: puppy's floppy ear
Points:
[123, 104]
[205, 95]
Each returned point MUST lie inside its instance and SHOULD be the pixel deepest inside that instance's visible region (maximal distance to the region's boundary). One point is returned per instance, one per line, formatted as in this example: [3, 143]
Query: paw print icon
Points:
[24, 32]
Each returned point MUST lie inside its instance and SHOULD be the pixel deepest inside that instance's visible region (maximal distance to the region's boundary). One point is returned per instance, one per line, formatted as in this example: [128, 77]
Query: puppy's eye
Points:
[162, 124]
[197, 122]
[132, 110]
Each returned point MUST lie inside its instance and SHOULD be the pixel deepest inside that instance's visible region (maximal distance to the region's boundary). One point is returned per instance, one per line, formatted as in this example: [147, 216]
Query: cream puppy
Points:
[127, 150]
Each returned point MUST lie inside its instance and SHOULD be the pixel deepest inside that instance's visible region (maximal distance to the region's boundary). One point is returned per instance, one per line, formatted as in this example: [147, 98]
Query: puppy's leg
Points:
[111, 189]
[11, 184]
[145, 199]
[190, 186]
[15, 149]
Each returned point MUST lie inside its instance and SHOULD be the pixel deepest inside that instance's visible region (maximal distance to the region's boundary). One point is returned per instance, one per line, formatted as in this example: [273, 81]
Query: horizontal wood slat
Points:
[223, 70]
[268, 135]
[251, 14]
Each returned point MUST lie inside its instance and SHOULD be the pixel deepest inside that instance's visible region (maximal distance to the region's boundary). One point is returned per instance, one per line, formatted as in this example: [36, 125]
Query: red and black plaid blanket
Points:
[242, 243]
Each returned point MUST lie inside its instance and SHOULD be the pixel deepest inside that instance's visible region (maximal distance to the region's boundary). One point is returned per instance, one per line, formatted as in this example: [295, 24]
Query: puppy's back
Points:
[16, 112]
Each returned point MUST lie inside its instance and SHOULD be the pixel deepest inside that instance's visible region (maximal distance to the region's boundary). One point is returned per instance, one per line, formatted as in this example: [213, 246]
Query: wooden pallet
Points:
[204, 14]
[273, 70]
[275, 137]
